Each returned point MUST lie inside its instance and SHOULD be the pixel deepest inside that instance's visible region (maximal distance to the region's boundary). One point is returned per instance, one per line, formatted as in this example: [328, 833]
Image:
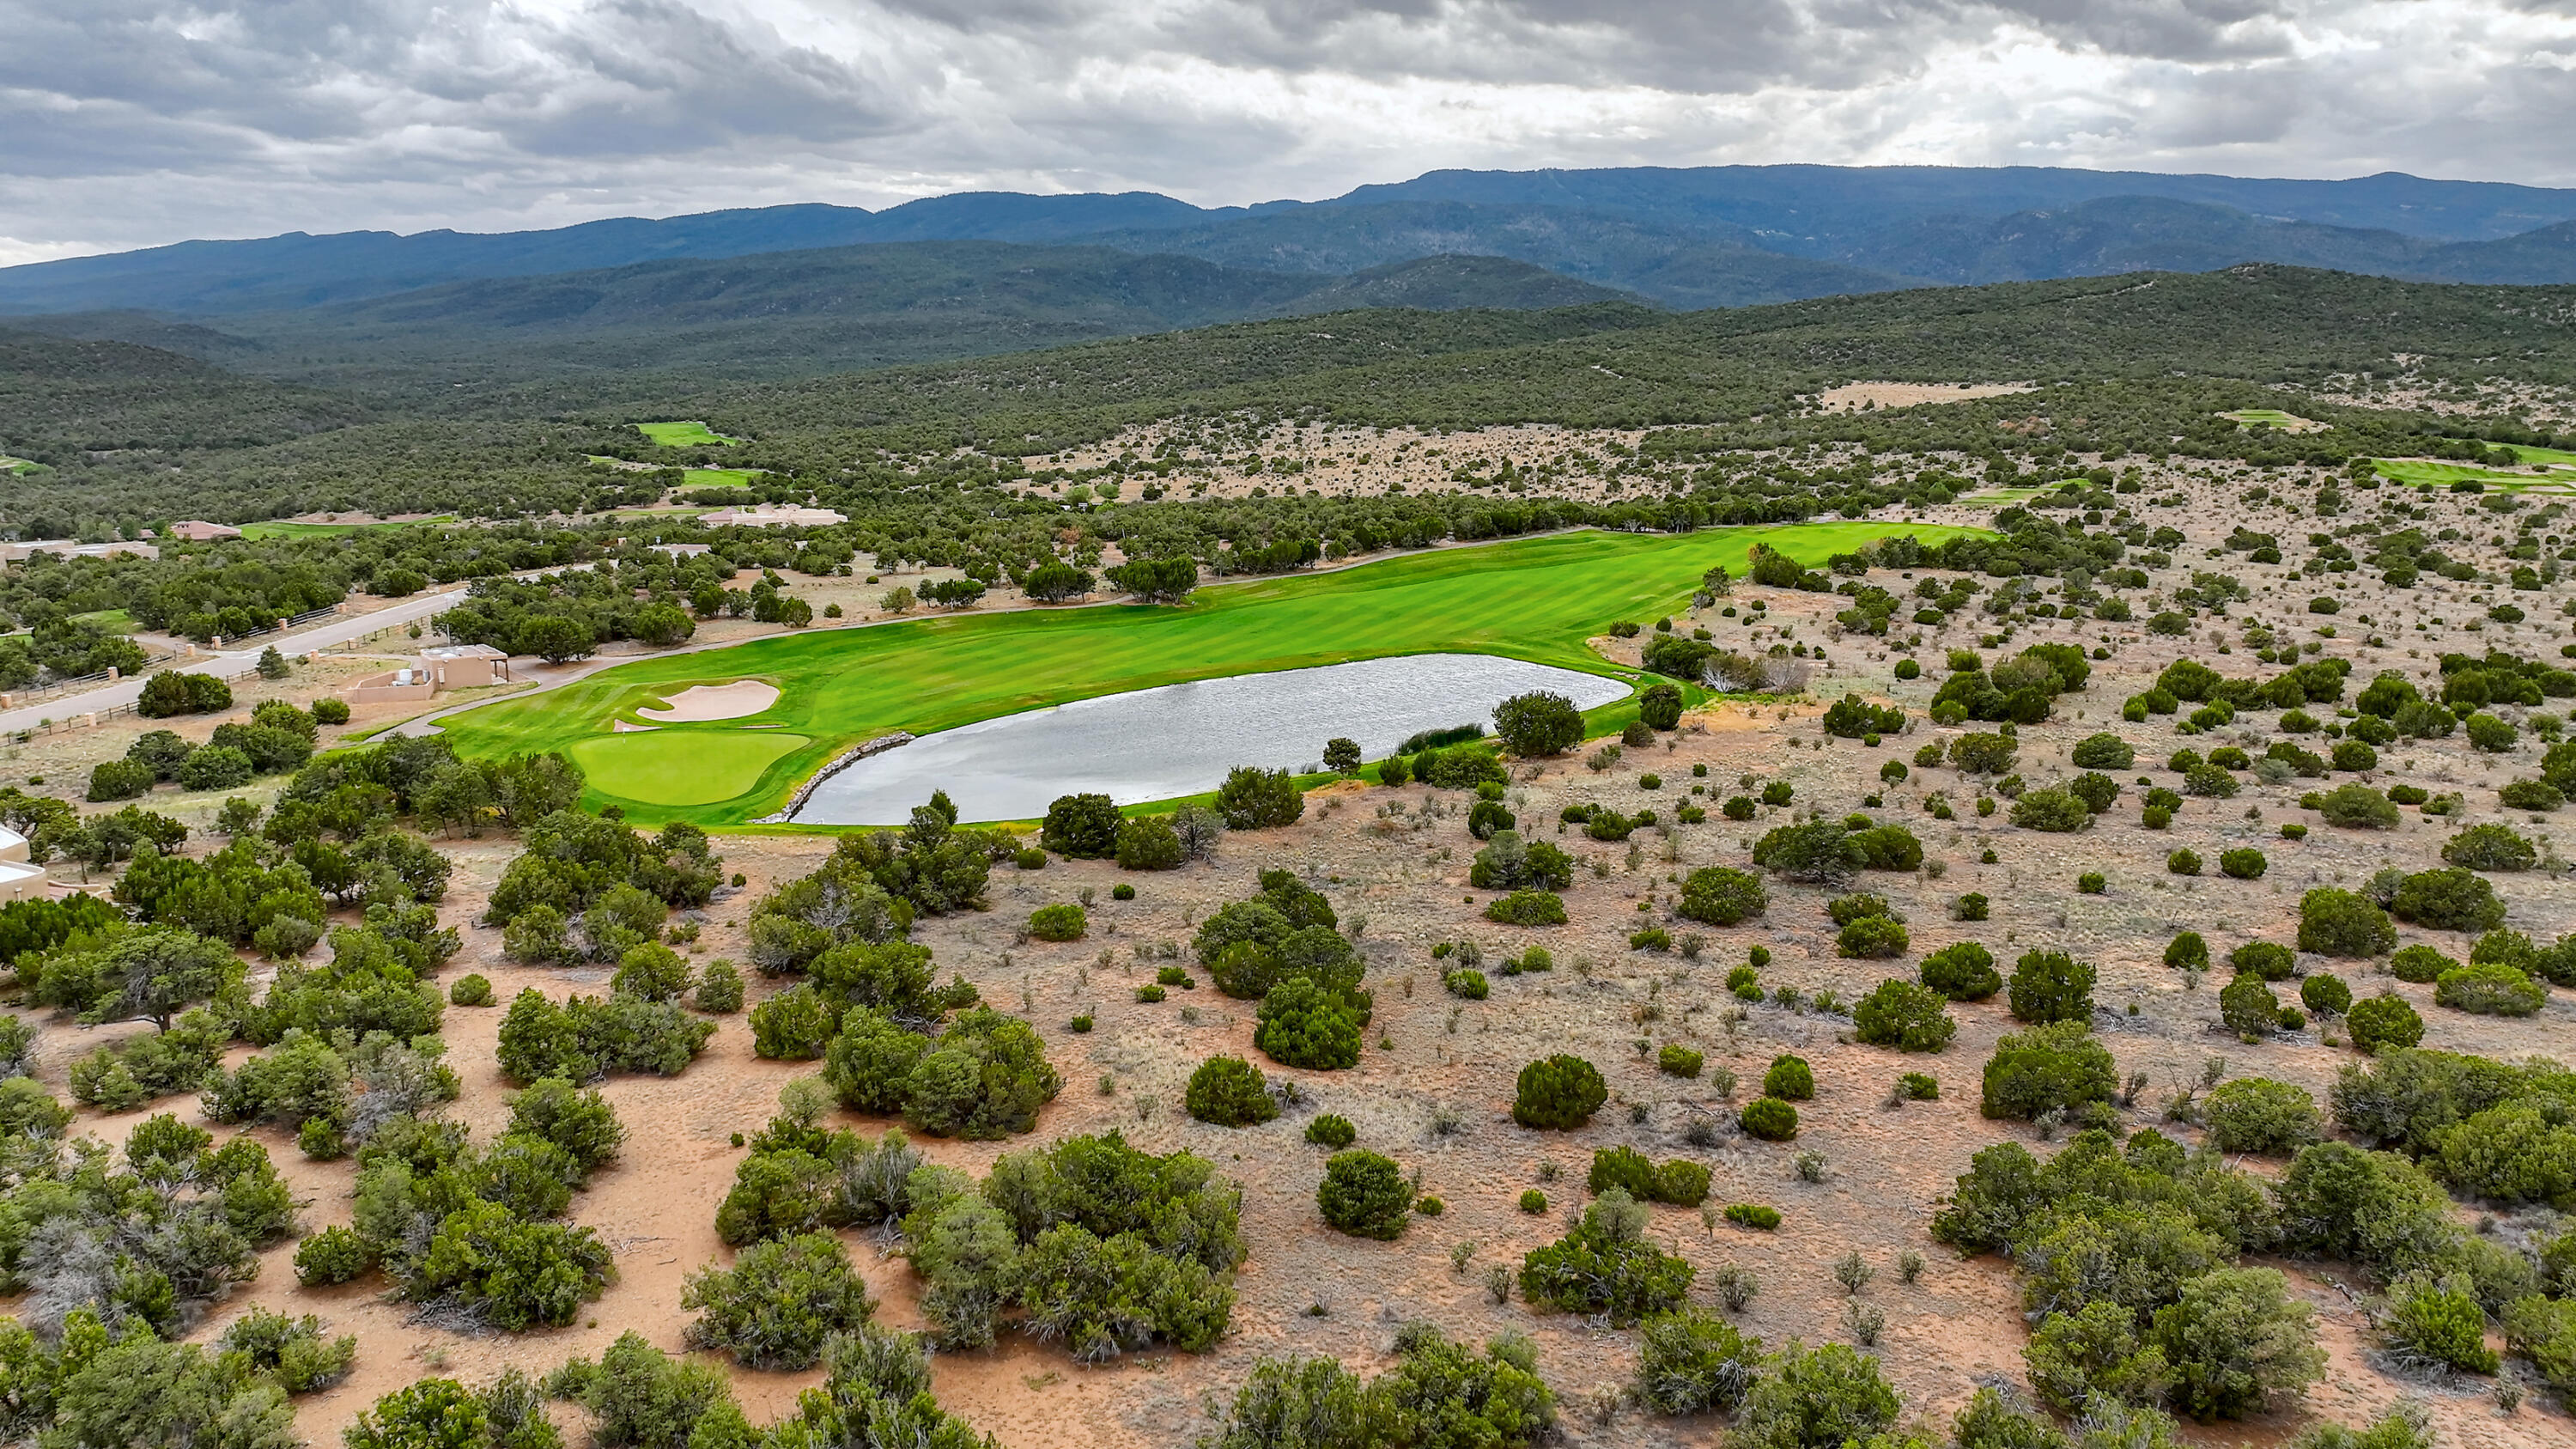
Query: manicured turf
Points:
[1997, 497]
[279, 528]
[1535, 598]
[685, 435]
[2424, 470]
[720, 477]
[670, 767]
[114, 621]
[15, 466]
[2274, 416]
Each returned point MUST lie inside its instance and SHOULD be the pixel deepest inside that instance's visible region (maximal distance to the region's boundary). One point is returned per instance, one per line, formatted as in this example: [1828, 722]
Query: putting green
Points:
[685, 435]
[681, 767]
[719, 477]
[1538, 599]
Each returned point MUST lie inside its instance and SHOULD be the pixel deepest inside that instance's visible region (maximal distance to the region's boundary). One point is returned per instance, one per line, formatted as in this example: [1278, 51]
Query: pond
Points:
[1181, 739]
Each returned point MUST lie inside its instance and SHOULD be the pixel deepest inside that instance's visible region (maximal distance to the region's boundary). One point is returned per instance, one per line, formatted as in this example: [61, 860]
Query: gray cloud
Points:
[131, 122]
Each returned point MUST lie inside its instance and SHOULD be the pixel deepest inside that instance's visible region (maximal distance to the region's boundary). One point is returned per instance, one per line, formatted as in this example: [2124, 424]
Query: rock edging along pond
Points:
[840, 762]
[1180, 739]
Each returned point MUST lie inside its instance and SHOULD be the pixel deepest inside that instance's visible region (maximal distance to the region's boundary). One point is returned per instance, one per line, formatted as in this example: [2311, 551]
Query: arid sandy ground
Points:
[1398, 859]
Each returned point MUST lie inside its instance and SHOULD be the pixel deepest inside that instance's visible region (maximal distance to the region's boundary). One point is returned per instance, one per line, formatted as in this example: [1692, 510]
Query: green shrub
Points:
[1365, 1195]
[1790, 1079]
[778, 1303]
[2493, 989]
[2256, 1114]
[2185, 861]
[2266, 959]
[797, 1024]
[1905, 1016]
[2237, 1343]
[1919, 1087]
[2052, 810]
[2325, 994]
[1962, 971]
[720, 989]
[2187, 952]
[2384, 1021]
[2438, 1323]
[333, 1255]
[1624, 1168]
[2450, 899]
[2342, 923]
[1872, 938]
[2419, 964]
[1063, 921]
[1605, 1267]
[2357, 807]
[2248, 1008]
[1230, 1092]
[1533, 1201]
[1816, 1399]
[1560, 1092]
[1770, 1119]
[1720, 896]
[1302, 1024]
[472, 989]
[2490, 848]
[2057, 1066]
[1528, 908]
[1753, 1215]
[1692, 1361]
[1332, 1130]
[581, 1124]
[2243, 863]
[1676, 1060]
[2051, 986]
[1970, 907]
[2104, 751]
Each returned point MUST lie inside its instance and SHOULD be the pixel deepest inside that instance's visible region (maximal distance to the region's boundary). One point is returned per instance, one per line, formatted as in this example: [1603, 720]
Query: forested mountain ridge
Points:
[1700, 237]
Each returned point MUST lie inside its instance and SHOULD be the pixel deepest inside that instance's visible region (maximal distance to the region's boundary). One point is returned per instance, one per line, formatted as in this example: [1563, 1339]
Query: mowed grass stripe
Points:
[1535, 598]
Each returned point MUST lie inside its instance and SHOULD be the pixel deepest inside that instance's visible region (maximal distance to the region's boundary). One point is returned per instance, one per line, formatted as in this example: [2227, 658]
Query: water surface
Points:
[1180, 739]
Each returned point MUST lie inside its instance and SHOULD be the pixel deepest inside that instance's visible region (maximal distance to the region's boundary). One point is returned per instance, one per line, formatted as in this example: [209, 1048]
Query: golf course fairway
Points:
[1538, 599]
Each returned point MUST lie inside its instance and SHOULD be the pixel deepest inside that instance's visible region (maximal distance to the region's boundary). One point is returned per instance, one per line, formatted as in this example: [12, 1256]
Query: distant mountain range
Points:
[802, 290]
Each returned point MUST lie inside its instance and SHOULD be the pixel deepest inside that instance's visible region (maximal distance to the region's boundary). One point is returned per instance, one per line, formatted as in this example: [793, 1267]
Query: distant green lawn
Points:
[15, 466]
[1996, 497]
[685, 435]
[114, 621]
[280, 528]
[2273, 416]
[720, 477]
[2425, 470]
[1537, 599]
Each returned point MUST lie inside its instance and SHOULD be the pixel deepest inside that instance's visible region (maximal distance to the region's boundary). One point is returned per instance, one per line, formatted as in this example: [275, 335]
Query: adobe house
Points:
[19, 880]
[444, 666]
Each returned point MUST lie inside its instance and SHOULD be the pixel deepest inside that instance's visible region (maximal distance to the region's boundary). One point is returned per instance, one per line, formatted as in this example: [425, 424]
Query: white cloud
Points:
[132, 122]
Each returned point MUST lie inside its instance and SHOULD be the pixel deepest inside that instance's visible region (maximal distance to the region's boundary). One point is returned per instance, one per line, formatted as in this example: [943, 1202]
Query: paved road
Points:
[322, 634]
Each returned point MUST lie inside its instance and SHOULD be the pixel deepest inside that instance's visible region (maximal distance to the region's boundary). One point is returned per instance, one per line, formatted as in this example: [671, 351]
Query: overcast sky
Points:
[135, 122]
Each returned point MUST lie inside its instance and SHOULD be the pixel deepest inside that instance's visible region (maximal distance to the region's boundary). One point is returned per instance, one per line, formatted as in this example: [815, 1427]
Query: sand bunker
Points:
[715, 701]
[629, 727]
[1851, 395]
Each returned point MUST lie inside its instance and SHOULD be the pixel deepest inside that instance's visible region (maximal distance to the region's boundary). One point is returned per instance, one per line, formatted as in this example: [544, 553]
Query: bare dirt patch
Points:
[1853, 397]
